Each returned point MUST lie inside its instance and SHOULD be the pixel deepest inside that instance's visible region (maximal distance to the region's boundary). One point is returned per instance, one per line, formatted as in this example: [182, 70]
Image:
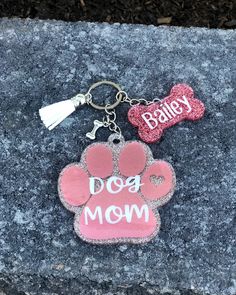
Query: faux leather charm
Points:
[154, 118]
[114, 192]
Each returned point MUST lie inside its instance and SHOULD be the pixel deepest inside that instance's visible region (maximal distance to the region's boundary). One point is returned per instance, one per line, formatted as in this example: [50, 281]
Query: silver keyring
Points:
[111, 106]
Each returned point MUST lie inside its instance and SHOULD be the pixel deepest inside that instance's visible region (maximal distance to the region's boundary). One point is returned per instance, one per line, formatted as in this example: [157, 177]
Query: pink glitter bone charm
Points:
[153, 119]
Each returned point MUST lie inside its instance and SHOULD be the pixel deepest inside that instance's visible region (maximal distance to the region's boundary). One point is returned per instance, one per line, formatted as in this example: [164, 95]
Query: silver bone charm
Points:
[97, 125]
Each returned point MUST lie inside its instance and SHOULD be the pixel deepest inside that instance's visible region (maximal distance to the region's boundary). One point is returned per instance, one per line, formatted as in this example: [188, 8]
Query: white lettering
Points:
[162, 118]
[166, 111]
[169, 109]
[139, 212]
[150, 120]
[93, 216]
[114, 214]
[133, 183]
[117, 211]
[174, 105]
[117, 182]
[114, 184]
[185, 101]
[92, 182]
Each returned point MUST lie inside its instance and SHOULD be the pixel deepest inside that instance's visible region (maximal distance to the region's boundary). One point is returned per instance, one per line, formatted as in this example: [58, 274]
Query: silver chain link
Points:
[135, 101]
[109, 121]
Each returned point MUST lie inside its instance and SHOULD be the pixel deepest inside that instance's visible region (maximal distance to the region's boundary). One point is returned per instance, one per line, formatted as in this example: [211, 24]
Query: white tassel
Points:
[54, 114]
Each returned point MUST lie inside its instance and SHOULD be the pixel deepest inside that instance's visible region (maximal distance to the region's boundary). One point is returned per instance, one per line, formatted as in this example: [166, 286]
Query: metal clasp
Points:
[118, 100]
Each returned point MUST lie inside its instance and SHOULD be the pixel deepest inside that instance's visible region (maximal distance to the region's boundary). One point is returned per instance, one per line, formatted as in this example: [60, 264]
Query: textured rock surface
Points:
[44, 62]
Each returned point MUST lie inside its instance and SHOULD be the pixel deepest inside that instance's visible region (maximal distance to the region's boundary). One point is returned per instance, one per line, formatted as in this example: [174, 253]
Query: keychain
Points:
[116, 188]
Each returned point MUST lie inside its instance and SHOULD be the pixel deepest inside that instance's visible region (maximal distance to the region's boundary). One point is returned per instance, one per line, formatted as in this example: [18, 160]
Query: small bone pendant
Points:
[97, 125]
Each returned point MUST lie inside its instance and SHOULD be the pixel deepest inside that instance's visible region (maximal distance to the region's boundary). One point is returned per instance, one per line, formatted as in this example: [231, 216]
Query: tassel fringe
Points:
[54, 114]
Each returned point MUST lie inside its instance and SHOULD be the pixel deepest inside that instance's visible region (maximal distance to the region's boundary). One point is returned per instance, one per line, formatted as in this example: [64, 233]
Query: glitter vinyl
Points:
[153, 119]
[115, 190]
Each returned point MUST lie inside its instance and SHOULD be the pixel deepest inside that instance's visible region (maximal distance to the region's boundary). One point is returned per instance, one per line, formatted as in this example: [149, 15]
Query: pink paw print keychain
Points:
[117, 187]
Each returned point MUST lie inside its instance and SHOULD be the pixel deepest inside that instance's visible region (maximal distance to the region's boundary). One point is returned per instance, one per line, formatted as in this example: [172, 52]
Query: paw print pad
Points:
[114, 192]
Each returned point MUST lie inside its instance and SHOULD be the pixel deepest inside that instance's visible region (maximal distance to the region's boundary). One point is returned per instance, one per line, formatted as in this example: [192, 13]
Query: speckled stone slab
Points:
[42, 62]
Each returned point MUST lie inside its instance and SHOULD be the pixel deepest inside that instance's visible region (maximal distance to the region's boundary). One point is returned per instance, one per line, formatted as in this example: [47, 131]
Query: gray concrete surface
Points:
[42, 62]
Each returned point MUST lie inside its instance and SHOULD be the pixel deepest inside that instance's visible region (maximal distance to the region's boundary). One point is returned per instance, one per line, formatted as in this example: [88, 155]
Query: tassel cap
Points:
[78, 100]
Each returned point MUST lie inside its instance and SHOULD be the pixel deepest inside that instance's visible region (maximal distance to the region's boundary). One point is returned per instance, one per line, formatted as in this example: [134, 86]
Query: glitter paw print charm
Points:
[114, 192]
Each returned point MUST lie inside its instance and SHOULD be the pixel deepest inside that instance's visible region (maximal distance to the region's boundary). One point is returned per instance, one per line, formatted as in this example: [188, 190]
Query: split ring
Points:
[111, 106]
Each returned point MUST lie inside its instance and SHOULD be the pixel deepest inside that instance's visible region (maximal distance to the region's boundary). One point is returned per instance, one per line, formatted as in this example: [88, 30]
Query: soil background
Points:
[211, 14]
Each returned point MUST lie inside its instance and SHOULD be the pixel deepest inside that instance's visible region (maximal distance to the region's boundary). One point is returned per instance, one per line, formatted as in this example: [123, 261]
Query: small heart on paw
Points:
[114, 192]
[153, 119]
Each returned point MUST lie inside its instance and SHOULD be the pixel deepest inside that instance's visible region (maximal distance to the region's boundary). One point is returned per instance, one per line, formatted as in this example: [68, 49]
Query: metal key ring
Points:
[111, 106]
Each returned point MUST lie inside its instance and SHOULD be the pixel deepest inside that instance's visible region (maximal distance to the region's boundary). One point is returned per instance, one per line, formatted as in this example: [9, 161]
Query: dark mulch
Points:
[212, 13]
